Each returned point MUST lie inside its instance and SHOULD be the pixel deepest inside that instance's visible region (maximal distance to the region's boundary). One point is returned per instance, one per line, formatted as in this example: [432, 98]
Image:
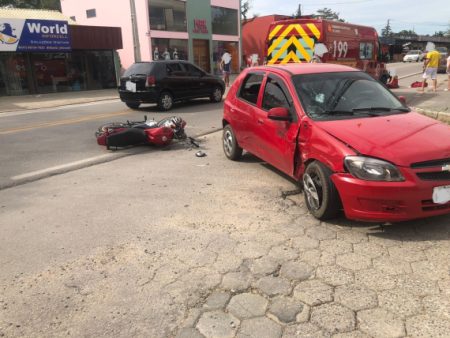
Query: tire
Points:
[216, 95]
[321, 195]
[165, 101]
[230, 146]
[133, 105]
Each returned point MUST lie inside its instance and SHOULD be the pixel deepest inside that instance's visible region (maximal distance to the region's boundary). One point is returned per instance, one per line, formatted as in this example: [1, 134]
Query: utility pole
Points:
[136, 45]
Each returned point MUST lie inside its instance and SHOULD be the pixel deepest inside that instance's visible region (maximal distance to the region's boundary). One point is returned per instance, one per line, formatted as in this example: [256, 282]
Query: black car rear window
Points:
[139, 68]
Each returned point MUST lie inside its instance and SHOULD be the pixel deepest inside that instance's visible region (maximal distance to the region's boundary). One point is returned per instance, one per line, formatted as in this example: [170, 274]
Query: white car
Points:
[413, 55]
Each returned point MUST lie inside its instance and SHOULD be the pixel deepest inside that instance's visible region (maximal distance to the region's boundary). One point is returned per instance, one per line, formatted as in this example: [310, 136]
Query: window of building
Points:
[167, 15]
[250, 88]
[170, 49]
[91, 13]
[224, 21]
[14, 75]
[219, 48]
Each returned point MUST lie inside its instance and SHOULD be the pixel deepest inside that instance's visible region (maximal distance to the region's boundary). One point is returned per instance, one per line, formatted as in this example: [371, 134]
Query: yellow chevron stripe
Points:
[289, 57]
[283, 48]
[306, 37]
[302, 50]
[314, 29]
[275, 31]
[279, 39]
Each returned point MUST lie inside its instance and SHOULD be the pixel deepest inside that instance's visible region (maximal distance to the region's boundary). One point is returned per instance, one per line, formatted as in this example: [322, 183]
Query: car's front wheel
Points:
[321, 196]
[230, 145]
[133, 105]
[165, 101]
[216, 95]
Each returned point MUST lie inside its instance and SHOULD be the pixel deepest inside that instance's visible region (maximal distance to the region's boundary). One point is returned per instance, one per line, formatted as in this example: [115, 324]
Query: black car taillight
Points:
[150, 82]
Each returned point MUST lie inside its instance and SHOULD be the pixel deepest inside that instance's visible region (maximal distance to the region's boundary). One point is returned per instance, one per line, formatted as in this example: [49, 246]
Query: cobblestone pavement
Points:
[230, 258]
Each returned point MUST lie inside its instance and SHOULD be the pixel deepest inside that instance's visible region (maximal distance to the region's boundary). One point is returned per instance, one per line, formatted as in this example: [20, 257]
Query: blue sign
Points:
[32, 35]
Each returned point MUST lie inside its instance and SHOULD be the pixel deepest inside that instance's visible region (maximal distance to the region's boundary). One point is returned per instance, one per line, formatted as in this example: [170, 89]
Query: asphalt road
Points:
[43, 142]
[405, 69]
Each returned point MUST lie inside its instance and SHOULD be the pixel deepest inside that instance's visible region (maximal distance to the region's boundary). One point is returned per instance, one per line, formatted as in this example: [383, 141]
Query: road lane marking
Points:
[62, 166]
[61, 122]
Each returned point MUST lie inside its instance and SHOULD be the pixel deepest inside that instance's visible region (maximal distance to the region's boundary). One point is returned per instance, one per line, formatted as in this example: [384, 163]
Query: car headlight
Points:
[372, 169]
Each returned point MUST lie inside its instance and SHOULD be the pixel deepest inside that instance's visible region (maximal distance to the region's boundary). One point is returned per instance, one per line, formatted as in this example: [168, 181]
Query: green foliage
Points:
[327, 14]
[406, 33]
[245, 7]
[35, 4]
[439, 34]
[298, 12]
[387, 30]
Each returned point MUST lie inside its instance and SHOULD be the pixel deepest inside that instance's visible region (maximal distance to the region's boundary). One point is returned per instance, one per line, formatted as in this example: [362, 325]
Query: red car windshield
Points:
[344, 95]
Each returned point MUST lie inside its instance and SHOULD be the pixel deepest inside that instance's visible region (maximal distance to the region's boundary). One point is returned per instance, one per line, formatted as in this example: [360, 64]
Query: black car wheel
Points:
[133, 105]
[230, 146]
[216, 95]
[321, 196]
[165, 101]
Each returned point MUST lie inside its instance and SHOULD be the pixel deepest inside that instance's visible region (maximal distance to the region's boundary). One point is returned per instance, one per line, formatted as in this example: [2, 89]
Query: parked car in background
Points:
[166, 82]
[443, 60]
[413, 55]
[349, 141]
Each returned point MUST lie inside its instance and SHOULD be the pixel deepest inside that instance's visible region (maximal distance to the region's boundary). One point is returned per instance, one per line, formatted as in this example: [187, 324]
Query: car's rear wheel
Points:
[133, 105]
[216, 95]
[321, 196]
[230, 145]
[165, 101]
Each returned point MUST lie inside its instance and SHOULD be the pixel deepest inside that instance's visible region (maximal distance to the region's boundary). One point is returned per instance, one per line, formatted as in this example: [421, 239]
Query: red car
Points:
[349, 141]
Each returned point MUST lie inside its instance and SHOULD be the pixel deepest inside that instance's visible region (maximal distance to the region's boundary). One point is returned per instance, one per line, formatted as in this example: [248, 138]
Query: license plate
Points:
[131, 86]
[441, 194]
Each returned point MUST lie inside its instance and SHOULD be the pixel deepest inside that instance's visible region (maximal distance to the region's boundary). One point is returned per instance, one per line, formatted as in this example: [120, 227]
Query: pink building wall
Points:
[117, 13]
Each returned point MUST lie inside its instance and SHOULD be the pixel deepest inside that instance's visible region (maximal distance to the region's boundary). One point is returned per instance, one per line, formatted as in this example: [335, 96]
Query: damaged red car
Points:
[349, 141]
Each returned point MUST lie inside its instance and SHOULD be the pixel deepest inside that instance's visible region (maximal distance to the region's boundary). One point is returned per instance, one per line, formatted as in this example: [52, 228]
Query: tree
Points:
[35, 4]
[387, 30]
[405, 32]
[328, 14]
[245, 7]
[298, 13]
[439, 34]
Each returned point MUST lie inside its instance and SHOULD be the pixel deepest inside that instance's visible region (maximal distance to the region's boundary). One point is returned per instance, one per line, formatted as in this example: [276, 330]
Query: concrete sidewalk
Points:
[29, 102]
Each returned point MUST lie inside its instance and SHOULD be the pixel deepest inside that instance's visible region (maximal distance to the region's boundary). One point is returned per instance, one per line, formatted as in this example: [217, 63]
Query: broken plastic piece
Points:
[200, 154]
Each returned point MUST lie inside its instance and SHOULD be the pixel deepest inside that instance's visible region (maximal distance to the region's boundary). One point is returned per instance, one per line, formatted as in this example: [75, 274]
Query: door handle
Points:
[260, 121]
[231, 110]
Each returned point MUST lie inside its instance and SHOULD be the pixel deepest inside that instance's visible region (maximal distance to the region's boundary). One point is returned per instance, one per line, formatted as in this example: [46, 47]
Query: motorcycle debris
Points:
[200, 154]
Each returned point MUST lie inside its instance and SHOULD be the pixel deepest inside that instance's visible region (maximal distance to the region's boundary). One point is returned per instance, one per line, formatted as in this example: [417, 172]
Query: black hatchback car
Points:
[165, 82]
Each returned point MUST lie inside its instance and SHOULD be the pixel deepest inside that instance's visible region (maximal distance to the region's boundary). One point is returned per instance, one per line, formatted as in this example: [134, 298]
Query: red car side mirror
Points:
[279, 114]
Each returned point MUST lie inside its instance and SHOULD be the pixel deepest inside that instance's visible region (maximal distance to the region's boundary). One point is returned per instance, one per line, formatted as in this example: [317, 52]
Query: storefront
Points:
[45, 56]
[195, 30]
[211, 29]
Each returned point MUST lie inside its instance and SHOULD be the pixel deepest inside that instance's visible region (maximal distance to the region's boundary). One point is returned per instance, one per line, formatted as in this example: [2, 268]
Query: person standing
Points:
[430, 68]
[225, 65]
[448, 73]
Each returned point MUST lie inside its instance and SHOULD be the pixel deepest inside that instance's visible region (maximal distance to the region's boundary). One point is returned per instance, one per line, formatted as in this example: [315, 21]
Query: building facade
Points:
[45, 52]
[195, 30]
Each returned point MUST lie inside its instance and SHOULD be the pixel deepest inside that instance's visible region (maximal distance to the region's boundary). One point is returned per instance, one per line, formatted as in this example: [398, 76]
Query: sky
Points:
[422, 16]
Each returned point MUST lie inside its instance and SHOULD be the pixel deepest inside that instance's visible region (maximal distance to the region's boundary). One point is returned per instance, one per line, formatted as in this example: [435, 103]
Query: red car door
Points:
[243, 108]
[276, 140]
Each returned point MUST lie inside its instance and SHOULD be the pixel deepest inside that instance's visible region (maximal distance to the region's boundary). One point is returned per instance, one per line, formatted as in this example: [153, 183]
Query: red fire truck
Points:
[317, 40]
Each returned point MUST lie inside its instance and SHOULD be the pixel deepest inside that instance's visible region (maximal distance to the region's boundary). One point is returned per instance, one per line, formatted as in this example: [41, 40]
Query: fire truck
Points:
[318, 40]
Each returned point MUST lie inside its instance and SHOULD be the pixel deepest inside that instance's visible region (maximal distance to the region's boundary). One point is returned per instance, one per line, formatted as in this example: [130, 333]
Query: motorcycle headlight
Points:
[372, 169]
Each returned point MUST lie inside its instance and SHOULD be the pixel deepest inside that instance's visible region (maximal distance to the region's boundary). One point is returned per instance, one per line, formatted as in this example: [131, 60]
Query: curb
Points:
[437, 115]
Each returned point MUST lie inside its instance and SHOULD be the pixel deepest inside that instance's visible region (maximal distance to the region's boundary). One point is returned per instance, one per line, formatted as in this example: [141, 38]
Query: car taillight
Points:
[150, 82]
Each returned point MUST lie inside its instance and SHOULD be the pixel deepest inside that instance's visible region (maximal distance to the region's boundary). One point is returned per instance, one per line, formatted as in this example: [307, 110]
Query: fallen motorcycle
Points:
[131, 133]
